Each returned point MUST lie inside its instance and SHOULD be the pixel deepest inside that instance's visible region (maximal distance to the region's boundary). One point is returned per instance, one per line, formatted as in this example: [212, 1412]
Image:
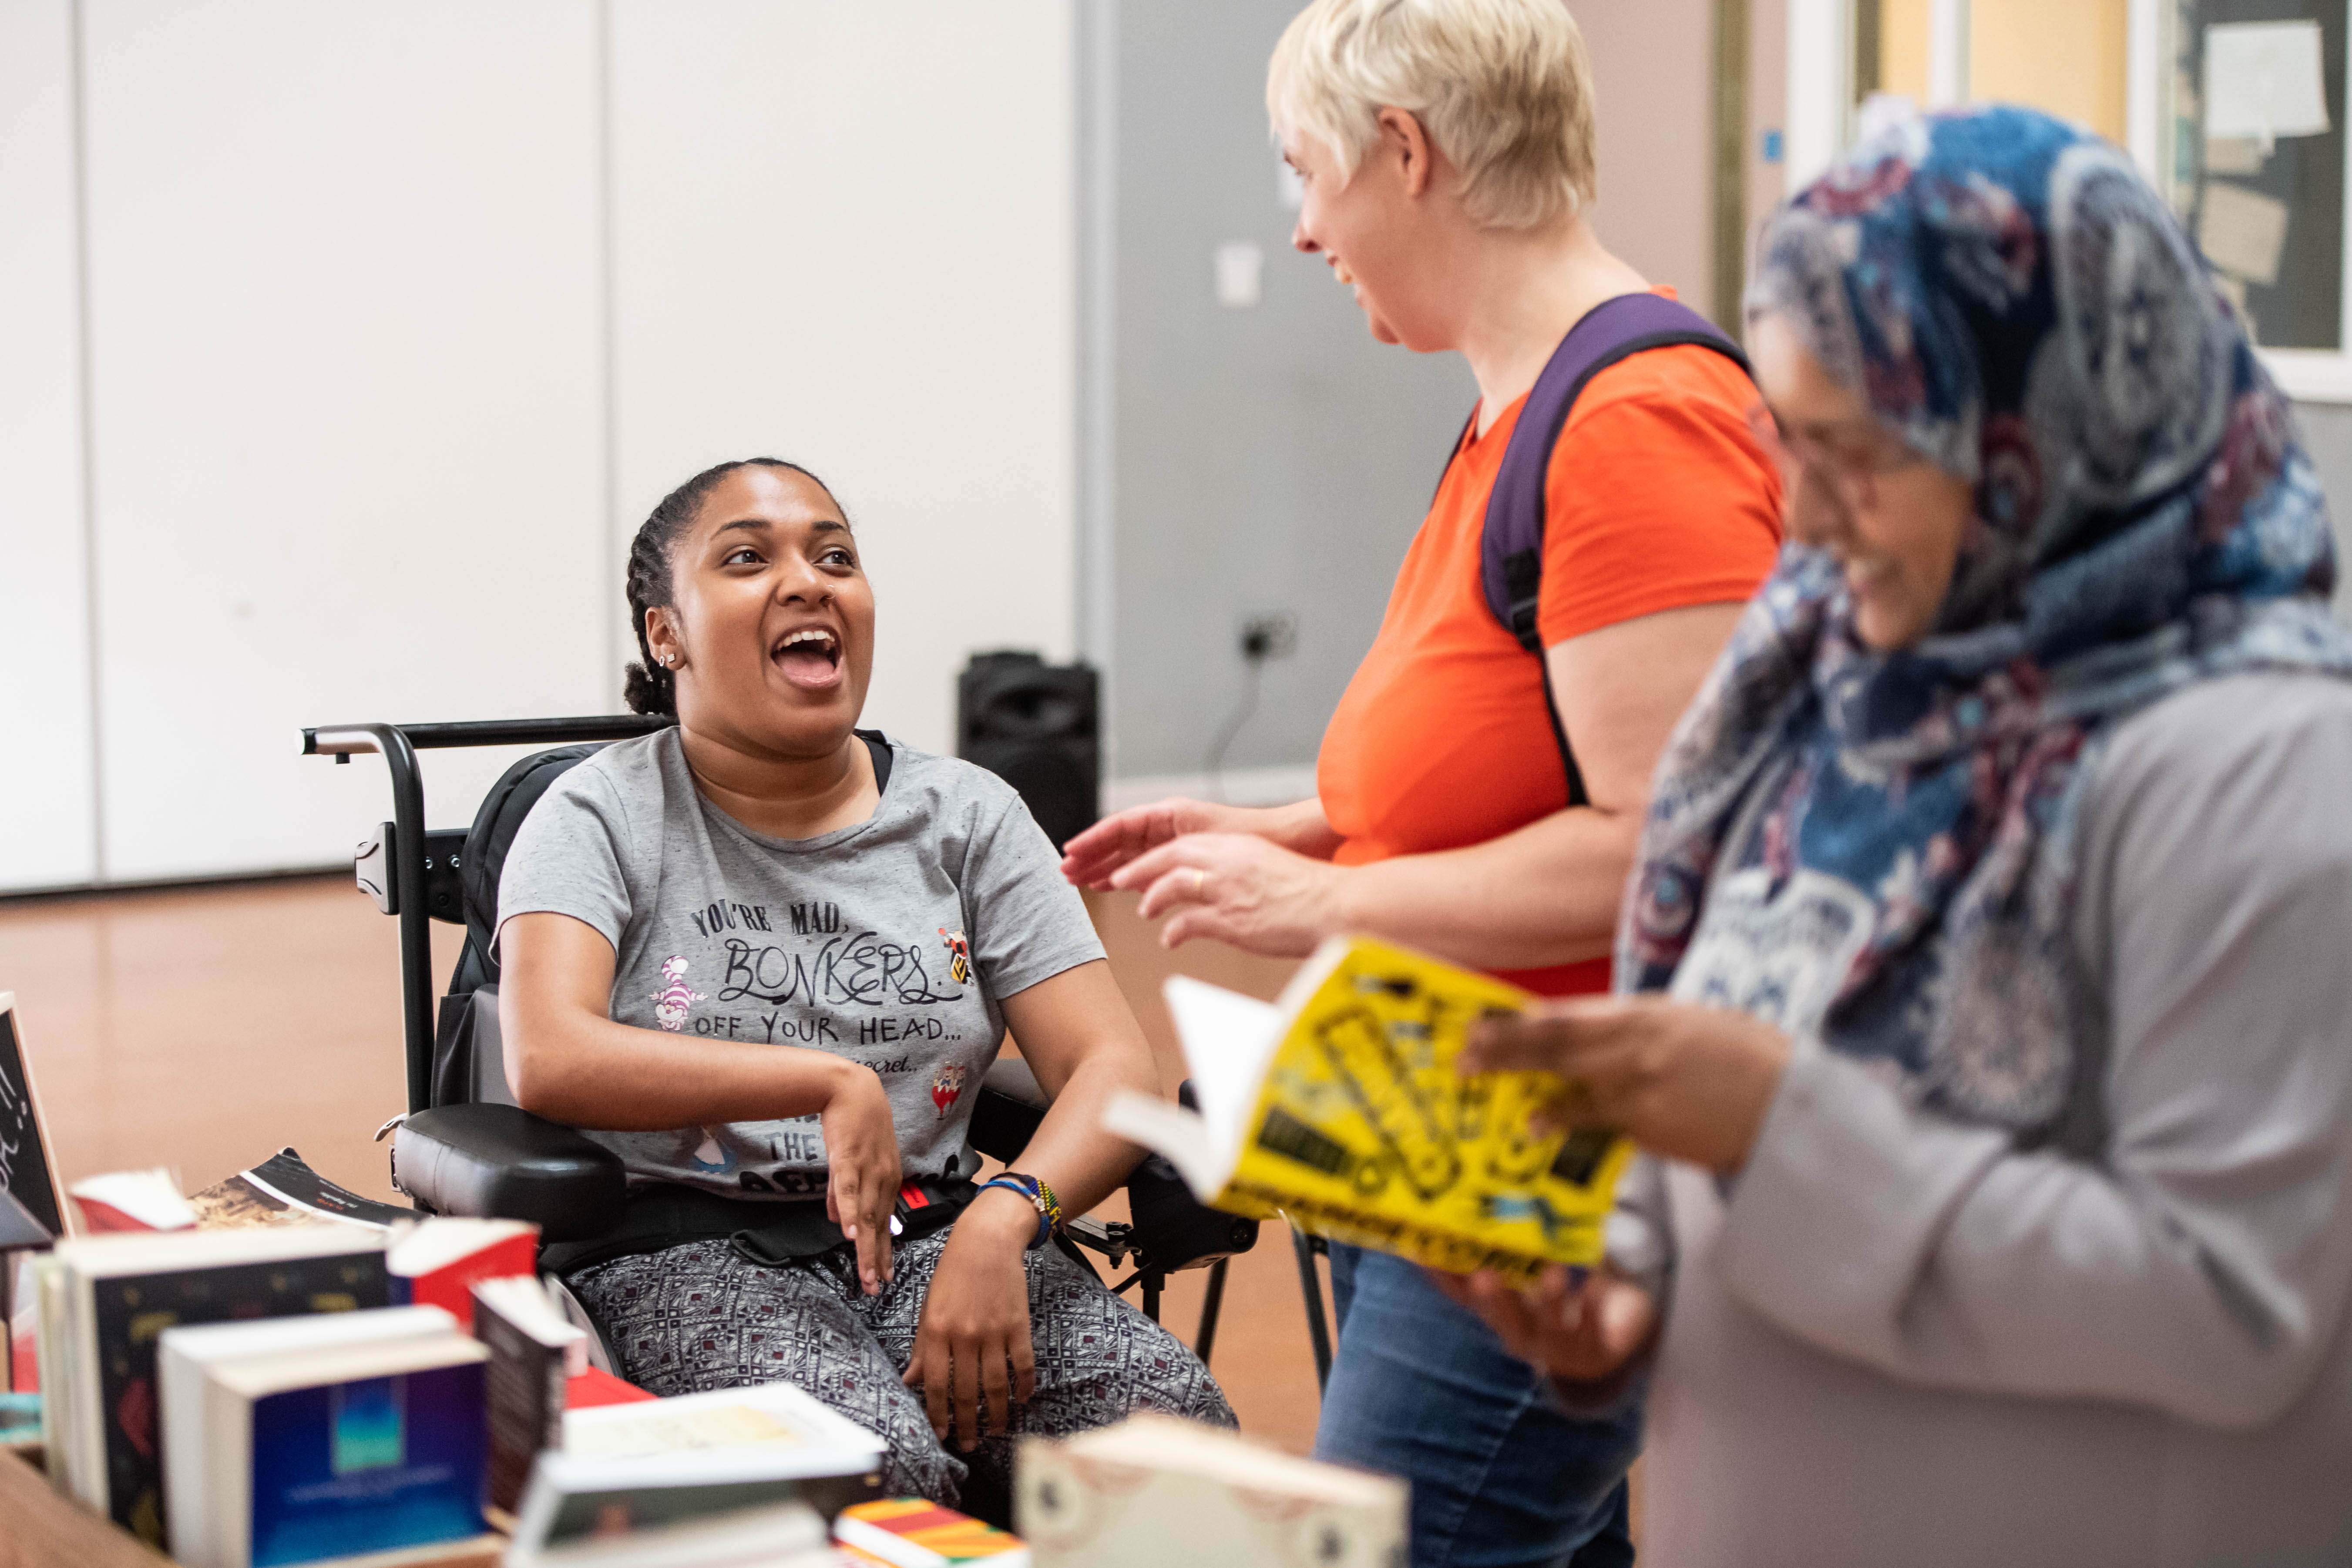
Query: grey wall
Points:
[1272, 458]
[1277, 457]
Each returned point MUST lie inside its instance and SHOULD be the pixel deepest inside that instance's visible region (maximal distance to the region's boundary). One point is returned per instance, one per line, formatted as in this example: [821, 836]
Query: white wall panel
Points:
[346, 372]
[48, 819]
[844, 235]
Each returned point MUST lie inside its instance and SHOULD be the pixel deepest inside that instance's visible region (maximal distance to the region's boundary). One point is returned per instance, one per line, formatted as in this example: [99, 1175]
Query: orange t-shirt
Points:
[1658, 497]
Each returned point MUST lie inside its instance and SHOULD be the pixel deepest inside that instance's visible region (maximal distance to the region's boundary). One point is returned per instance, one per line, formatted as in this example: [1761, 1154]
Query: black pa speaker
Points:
[1038, 726]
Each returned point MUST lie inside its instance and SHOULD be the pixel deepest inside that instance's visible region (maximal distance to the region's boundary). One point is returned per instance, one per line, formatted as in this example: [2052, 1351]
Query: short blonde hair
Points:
[1503, 88]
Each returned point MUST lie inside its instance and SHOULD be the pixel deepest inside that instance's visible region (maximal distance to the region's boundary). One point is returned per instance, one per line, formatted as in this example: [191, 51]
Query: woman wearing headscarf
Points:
[1984, 1003]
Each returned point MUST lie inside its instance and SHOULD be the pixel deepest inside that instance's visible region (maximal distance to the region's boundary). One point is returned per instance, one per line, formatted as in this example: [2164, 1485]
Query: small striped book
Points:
[908, 1532]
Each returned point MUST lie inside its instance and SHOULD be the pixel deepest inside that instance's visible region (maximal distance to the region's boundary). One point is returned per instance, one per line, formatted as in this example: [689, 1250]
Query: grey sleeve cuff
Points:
[1640, 1239]
[1840, 1204]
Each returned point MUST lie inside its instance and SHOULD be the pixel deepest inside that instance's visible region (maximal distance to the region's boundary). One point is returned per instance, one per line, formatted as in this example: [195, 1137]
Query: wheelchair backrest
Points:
[496, 822]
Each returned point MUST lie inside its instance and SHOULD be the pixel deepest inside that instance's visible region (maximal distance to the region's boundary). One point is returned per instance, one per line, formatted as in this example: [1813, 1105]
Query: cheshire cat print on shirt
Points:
[673, 1003]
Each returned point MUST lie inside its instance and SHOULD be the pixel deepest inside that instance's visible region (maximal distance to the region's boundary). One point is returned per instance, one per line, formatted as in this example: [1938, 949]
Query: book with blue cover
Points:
[337, 1452]
[107, 1301]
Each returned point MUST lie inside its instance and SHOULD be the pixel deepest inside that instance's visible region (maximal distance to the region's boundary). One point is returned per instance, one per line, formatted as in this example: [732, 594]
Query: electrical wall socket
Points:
[1274, 634]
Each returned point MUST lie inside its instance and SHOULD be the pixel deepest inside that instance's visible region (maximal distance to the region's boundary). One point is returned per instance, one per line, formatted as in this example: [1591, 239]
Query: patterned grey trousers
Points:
[699, 1316]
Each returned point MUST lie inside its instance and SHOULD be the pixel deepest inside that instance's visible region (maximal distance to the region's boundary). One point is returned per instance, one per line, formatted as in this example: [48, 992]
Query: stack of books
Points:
[324, 1397]
[105, 1303]
[638, 1469]
[313, 1386]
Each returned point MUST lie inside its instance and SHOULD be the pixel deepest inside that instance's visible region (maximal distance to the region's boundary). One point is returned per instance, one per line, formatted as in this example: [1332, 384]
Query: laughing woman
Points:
[1995, 891]
[768, 957]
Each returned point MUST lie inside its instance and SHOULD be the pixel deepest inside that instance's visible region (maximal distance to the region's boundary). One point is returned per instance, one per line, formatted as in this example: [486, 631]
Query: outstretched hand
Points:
[1240, 890]
[1090, 860]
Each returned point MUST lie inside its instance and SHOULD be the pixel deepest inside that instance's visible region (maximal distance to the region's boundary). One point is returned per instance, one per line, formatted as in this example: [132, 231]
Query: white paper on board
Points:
[2262, 79]
[2235, 155]
[2242, 232]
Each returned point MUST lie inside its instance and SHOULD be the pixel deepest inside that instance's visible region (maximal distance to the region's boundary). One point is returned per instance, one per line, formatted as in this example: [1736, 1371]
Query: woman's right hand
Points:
[861, 1156]
[1095, 855]
[1089, 859]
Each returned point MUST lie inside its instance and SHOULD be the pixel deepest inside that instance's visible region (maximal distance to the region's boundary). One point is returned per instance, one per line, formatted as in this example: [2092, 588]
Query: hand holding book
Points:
[1344, 1107]
[1688, 1082]
[1584, 1327]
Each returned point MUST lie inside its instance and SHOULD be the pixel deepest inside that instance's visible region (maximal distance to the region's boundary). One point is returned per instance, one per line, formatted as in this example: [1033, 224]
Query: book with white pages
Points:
[535, 1351]
[660, 1461]
[185, 1356]
[1339, 1108]
[780, 1535]
[767, 1429]
[338, 1450]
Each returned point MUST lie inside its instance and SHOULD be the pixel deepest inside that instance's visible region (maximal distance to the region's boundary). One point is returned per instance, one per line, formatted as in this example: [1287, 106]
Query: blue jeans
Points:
[1421, 1388]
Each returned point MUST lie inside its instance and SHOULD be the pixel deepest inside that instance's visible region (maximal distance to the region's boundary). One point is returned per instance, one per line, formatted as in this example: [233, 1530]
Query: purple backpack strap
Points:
[1511, 553]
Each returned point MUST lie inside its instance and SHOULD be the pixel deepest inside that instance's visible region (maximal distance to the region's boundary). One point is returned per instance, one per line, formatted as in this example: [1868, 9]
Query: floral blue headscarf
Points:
[1881, 845]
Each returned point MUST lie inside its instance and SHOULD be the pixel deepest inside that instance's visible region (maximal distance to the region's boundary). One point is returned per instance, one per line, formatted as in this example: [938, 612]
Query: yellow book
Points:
[1337, 1108]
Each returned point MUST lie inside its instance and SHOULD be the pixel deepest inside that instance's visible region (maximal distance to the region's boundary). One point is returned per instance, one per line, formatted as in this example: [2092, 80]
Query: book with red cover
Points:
[439, 1263]
[130, 1201]
[586, 1390]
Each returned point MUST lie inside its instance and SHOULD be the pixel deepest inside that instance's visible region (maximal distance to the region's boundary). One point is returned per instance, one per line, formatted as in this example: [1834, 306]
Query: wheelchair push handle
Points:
[392, 868]
[345, 739]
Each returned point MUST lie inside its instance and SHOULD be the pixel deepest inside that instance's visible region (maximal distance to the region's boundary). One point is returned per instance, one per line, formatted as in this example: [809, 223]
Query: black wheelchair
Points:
[464, 1147]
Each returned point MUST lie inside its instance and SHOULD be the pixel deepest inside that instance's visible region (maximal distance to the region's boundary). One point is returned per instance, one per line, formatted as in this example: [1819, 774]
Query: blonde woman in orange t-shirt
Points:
[1446, 152]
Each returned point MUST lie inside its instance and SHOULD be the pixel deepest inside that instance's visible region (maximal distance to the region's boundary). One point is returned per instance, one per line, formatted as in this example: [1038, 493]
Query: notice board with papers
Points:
[2258, 146]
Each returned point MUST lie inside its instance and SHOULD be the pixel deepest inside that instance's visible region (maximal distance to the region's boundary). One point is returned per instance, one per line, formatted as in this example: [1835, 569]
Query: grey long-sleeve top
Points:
[1901, 1340]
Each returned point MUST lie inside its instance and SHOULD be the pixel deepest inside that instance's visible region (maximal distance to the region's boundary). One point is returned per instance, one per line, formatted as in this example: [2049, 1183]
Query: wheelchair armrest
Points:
[1170, 1229]
[498, 1162]
[1008, 1110]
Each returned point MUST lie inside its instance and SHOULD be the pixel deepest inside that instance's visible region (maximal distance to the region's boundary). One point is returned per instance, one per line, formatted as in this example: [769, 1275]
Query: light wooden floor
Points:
[204, 1029]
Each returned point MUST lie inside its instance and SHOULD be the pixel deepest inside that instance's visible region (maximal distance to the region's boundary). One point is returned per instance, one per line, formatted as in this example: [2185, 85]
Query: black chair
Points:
[463, 1147]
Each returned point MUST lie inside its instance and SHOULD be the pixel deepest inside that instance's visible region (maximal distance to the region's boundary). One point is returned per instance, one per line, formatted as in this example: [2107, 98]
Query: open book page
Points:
[1228, 1041]
[1348, 1118]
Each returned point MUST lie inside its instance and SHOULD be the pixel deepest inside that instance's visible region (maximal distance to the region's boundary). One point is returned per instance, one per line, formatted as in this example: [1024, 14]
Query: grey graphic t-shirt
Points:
[889, 943]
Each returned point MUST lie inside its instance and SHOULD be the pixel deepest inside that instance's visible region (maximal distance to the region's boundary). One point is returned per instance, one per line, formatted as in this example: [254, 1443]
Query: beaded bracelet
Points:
[1049, 1209]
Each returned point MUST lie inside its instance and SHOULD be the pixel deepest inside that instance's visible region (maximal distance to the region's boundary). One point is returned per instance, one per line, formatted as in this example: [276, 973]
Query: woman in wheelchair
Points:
[767, 958]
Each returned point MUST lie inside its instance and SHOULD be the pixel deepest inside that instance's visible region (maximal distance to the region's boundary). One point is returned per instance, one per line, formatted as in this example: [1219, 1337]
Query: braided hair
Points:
[650, 687]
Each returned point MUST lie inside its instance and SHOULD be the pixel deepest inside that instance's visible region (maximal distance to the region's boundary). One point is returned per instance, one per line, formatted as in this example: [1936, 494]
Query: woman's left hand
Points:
[1239, 890]
[1579, 1327]
[975, 1322]
[1688, 1082]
